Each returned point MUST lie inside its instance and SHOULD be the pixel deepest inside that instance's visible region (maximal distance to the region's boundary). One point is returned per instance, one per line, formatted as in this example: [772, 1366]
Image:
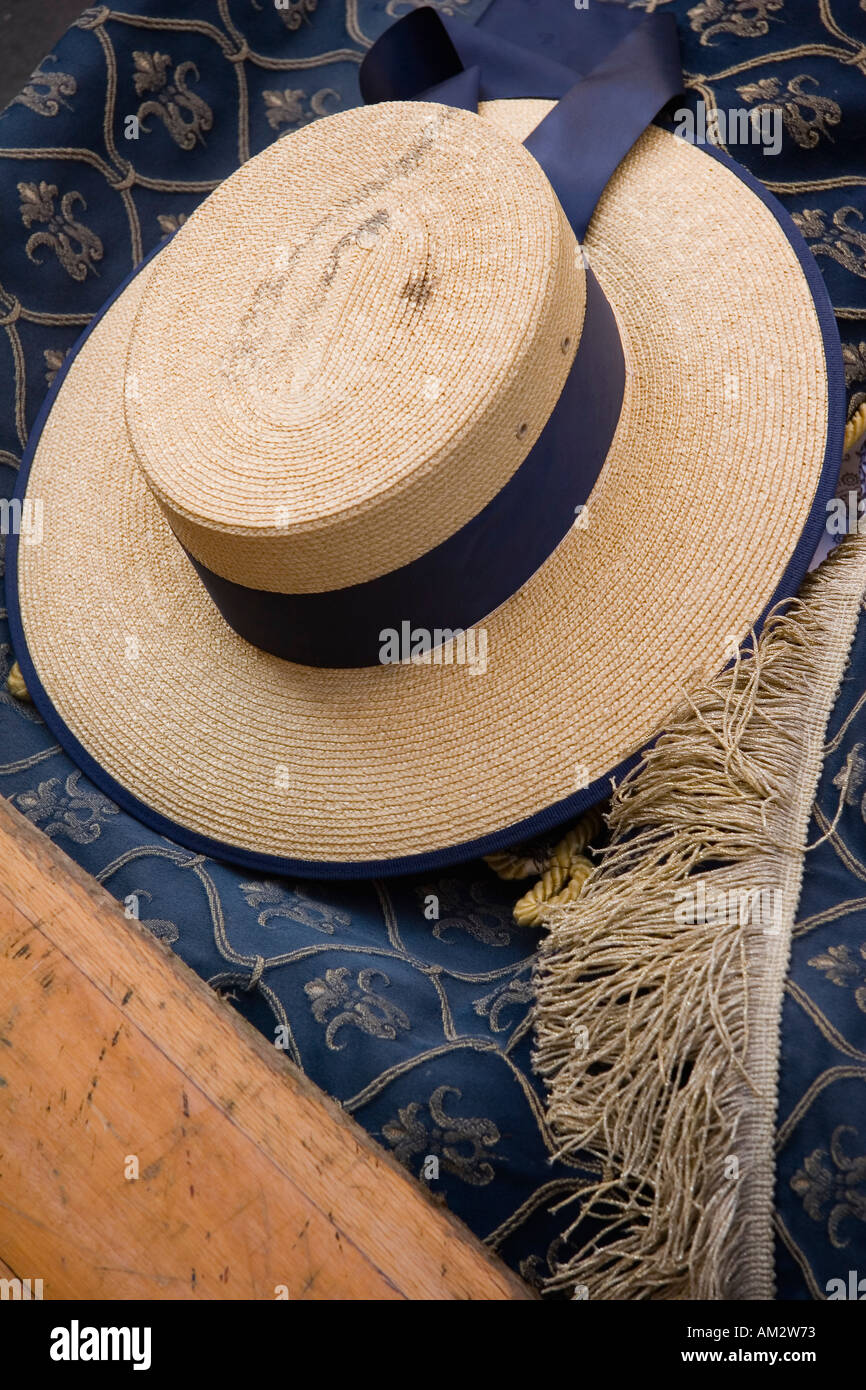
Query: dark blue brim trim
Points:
[543, 821]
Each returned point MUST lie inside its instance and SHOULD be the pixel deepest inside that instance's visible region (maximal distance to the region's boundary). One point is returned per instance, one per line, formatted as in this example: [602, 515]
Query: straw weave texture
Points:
[352, 345]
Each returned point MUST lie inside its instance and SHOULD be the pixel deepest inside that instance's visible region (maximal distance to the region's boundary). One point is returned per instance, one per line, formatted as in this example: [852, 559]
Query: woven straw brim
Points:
[704, 494]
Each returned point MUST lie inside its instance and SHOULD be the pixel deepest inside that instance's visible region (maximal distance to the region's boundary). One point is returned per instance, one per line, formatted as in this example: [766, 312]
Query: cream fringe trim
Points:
[659, 1041]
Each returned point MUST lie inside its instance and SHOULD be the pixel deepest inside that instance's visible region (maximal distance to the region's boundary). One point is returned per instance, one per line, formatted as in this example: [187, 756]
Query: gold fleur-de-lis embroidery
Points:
[843, 1191]
[462, 1144]
[359, 1005]
[854, 358]
[294, 13]
[68, 809]
[171, 221]
[287, 107]
[467, 907]
[75, 246]
[748, 19]
[849, 249]
[275, 901]
[492, 1006]
[183, 112]
[855, 362]
[851, 778]
[841, 968]
[793, 102]
[45, 91]
[53, 361]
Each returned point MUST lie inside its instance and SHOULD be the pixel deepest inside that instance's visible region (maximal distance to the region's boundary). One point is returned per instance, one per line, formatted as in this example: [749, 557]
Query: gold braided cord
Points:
[15, 684]
[564, 870]
[510, 866]
[529, 910]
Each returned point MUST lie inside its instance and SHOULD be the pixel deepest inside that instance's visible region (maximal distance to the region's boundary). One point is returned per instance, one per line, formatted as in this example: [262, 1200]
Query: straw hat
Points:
[337, 364]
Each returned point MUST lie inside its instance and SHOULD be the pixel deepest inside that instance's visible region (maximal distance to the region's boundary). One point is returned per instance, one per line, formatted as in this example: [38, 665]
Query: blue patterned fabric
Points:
[419, 1023]
[821, 1174]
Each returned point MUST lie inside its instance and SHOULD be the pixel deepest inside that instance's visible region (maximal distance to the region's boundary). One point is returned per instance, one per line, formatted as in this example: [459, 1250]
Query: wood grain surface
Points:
[251, 1183]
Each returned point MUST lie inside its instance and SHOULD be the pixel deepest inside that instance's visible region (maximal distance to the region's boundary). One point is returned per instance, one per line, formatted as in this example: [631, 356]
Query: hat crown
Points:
[352, 346]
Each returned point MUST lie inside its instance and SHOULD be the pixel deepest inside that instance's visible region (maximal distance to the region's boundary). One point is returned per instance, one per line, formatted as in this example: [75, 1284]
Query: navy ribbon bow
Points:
[605, 99]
